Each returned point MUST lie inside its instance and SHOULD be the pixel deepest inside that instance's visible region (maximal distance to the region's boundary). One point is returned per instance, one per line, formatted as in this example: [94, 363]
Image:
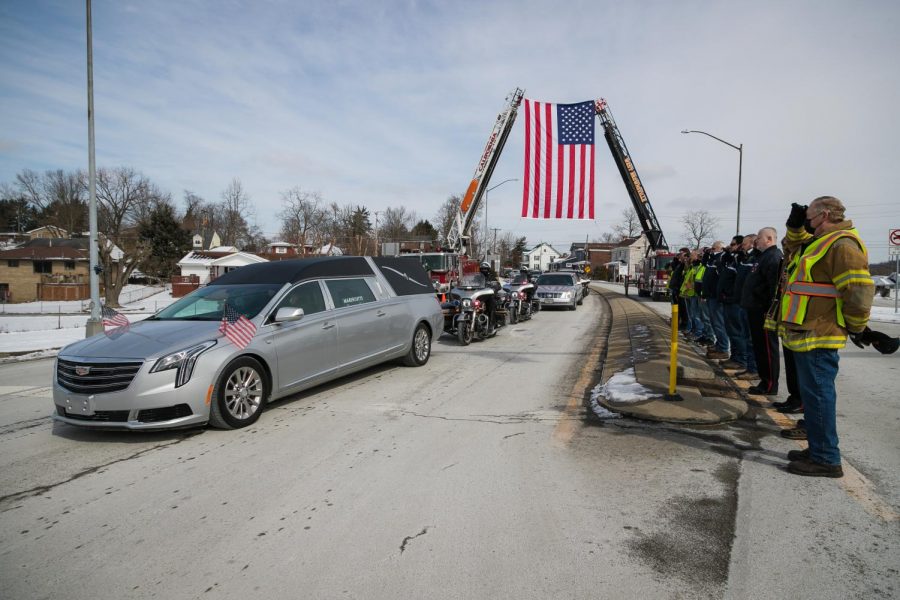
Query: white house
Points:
[627, 257]
[540, 257]
[207, 265]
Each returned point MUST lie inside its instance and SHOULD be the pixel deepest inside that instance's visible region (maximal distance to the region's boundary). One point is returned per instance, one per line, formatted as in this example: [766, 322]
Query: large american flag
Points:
[113, 318]
[559, 160]
[236, 327]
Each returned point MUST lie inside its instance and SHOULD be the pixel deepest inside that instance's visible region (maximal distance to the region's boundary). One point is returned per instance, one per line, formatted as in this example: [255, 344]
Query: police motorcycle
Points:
[477, 308]
[522, 301]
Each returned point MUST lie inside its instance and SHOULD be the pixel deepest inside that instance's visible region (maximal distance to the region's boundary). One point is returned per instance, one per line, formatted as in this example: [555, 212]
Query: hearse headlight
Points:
[183, 360]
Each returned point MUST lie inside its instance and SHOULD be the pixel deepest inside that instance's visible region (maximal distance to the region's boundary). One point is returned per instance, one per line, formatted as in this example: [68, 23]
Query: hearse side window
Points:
[349, 292]
[307, 296]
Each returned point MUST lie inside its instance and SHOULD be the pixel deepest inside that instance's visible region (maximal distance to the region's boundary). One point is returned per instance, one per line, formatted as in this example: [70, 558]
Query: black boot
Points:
[811, 468]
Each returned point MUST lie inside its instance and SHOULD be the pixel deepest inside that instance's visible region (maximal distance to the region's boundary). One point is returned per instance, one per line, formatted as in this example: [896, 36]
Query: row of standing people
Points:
[724, 293]
[741, 299]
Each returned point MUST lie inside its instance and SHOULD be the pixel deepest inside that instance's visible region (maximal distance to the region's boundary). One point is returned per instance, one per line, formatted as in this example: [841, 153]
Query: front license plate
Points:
[79, 405]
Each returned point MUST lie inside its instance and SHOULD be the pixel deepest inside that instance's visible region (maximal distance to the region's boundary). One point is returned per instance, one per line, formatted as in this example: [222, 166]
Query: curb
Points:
[640, 339]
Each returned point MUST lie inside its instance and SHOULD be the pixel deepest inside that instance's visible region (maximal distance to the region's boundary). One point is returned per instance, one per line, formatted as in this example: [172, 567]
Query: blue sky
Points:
[390, 103]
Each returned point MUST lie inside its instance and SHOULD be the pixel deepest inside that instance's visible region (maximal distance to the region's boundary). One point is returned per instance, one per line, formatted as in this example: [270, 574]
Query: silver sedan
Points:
[290, 325]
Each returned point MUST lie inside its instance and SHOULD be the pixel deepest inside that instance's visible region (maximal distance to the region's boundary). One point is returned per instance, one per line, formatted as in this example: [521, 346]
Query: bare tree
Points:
[446, 215]
[121, 195]
[607, 237]
[699, 227]
[60, 197]
[236, 213]
[629, 226]
[302, 217]
[395, 224]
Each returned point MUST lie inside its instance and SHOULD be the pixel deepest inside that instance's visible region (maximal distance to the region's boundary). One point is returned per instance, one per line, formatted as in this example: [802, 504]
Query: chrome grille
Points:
[550, 295]
[100, 378]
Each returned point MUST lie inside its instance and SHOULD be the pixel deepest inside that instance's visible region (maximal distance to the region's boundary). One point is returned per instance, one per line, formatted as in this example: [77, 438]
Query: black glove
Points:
[881, 341]
[798, 215]
[861, 338]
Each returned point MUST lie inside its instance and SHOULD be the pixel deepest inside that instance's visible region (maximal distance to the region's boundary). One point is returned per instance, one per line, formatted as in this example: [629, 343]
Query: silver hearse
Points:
[315, 320]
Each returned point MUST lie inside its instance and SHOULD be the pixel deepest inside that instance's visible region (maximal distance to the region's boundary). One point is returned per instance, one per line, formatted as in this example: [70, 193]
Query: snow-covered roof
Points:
[224, 249]
[238, 259]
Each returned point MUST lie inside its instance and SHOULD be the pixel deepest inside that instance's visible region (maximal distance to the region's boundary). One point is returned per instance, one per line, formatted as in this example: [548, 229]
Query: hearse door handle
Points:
[380, 313]
[327, 325]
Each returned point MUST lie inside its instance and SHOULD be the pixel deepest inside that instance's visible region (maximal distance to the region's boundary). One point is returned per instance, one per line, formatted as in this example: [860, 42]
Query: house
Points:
[282, 251]
[626, 257]
[539, 257]
[46, 268]
[206, 265]
[47, 232]
[212, 241]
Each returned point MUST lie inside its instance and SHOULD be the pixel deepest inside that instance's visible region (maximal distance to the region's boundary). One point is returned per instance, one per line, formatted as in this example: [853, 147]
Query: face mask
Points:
[807, 225]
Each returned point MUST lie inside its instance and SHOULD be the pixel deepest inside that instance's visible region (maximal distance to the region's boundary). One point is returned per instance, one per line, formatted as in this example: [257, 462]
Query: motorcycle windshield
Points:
[472, 281]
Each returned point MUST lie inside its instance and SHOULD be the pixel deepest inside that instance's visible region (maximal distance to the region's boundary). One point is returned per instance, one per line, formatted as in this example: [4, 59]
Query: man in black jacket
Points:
[757, 296]
[676, 278]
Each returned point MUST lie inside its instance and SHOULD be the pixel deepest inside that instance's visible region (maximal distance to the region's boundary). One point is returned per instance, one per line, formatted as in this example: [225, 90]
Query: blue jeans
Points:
[704, 317]
[745, 327]
[738, 336]
[816, 371]
[693, 303]
[717, 318]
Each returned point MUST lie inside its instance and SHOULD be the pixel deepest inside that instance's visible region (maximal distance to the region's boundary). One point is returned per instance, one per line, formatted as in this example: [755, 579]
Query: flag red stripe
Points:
[535, 209]
[591, 184]
[571, 202]
[559, 180]
[581, 152]
[527, 178]
[548, 164]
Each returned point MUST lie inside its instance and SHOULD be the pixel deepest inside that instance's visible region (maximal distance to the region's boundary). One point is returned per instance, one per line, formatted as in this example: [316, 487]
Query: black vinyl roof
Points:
[291, 271]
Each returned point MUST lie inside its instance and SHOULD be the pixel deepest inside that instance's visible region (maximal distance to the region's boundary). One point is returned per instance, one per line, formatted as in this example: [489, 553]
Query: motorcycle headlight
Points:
[183, 360]
[467, 302]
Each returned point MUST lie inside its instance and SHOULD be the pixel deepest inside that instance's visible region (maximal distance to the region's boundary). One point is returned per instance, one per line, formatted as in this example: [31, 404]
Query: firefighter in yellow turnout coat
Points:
[827, 295]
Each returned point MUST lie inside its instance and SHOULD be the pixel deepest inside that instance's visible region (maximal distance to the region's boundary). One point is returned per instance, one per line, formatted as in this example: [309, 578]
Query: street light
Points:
[485, 205]
[740, 149]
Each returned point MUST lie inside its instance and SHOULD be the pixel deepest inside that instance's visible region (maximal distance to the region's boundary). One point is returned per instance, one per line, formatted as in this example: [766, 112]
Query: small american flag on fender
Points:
[113, 318]
[559, 160]
[236, 327]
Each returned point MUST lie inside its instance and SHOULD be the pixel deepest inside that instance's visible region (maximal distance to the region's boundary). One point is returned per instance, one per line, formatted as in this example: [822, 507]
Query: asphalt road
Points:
[476, 476]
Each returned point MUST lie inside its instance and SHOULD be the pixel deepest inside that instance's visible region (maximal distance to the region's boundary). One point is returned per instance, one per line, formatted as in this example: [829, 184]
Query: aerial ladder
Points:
[460, 232]
[653, 276]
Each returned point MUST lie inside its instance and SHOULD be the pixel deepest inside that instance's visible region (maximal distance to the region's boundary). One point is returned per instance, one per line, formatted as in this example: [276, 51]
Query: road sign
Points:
[894, 251]
[894, 237]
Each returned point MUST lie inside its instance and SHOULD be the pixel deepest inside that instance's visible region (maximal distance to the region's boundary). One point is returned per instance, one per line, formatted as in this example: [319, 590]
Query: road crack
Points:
[41, 489]
[409, 538]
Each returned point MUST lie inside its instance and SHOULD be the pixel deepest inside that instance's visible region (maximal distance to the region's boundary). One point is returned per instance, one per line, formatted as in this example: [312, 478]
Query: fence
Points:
[52, 307]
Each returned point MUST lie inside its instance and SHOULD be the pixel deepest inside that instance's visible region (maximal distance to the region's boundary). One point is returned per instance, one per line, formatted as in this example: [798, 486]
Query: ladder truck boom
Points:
[459, 234]
[631, 178]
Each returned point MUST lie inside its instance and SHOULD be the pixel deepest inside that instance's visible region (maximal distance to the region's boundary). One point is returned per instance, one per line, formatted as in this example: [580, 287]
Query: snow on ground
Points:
[884, 314]
[129, 298]
[37, 335]
[623, 388]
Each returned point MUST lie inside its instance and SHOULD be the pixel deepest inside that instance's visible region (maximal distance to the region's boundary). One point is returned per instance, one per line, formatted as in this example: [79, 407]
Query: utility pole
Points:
[94, 323]
[377, 212]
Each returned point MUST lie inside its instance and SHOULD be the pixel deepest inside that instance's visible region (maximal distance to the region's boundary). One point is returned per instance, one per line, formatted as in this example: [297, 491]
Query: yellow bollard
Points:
[673, 358]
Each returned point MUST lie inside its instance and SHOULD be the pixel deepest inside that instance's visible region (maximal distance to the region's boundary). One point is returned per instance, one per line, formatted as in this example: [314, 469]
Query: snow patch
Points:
[884, 314]
[623, 388]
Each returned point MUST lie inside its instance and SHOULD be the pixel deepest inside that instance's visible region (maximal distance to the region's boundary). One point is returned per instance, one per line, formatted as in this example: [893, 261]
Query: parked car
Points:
[315, 320]
[883, 285]
[559, 289]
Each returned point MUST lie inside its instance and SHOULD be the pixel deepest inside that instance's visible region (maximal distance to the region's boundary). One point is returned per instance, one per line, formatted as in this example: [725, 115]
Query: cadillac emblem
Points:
[82, 371]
